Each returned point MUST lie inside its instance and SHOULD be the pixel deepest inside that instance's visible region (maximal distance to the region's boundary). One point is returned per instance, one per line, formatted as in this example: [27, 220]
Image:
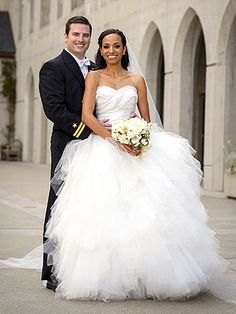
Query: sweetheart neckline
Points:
[117, 88]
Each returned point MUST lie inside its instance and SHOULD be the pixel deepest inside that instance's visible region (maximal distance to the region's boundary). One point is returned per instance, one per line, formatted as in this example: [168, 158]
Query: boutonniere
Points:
[92, 67]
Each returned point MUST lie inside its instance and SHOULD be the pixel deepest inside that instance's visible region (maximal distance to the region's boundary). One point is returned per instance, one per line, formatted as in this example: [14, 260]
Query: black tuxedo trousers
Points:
[58, 143]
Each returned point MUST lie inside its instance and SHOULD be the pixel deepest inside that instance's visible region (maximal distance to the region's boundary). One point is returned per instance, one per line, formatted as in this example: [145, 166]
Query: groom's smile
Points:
[78, 39]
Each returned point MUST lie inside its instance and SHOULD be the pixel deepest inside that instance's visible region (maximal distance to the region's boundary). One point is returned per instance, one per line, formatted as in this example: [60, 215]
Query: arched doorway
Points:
[230, 85]
[160, 84]
[192, 87]
[199, 99]
[155, 66]
[225, 93]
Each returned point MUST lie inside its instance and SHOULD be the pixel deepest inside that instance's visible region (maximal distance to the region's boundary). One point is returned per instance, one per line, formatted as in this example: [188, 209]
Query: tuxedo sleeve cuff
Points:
[78, 129]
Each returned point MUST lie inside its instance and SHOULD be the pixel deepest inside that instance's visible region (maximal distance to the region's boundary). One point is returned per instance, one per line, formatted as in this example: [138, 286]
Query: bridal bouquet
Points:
[134, 131]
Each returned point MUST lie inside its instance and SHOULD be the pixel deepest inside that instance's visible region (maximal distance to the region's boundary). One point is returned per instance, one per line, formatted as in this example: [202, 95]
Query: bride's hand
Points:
[124, 147]
[129, 149]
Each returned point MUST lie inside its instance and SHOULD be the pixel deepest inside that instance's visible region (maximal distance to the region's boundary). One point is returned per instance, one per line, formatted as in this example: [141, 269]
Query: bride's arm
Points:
[142, 99]
[89, 100]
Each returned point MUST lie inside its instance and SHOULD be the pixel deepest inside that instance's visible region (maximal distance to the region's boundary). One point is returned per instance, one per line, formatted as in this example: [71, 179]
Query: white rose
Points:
[144, 141]
[135, 141]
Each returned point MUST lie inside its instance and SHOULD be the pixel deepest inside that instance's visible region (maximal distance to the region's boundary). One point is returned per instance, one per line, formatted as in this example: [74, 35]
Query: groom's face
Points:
[78, 39]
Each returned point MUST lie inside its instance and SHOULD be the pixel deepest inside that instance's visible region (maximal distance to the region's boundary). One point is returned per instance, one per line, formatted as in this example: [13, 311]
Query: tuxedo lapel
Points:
[73, 66]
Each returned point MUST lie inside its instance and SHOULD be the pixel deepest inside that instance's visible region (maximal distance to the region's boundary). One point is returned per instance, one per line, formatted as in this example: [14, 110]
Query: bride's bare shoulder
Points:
[94, 73]
[136, 79]
[93, 76]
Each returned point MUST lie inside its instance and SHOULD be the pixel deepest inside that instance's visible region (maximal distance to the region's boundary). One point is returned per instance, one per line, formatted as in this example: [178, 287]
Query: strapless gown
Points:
[128, 227]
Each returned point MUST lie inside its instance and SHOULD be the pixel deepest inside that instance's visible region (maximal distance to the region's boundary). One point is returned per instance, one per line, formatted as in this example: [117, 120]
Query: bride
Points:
[127, 225]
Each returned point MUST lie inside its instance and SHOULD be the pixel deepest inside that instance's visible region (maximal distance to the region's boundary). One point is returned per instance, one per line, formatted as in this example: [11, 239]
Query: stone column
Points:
[214, 128]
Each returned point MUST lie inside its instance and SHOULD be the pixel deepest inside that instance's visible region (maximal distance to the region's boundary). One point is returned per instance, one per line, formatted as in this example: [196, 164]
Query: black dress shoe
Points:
[52, 284]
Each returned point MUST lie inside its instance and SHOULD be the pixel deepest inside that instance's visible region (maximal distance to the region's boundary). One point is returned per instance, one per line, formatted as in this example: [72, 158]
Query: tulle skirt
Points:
[128, 227]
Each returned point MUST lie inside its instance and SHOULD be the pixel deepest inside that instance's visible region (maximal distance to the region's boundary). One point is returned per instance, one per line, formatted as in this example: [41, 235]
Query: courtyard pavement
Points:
[23, 194]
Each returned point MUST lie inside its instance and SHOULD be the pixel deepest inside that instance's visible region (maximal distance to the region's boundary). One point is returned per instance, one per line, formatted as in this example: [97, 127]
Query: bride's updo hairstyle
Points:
[100, 61]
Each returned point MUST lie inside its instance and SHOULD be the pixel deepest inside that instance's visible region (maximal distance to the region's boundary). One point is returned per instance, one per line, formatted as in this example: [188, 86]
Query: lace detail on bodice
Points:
[115, 104]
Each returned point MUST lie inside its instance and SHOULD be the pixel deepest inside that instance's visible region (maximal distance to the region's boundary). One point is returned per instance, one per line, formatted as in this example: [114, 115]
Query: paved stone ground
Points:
[23, 194]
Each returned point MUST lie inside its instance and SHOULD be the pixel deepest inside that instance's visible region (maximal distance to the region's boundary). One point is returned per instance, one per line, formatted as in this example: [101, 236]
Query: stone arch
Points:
[189, 75]
[226, 91]
[154, 65]
[226, 54]
[225, 28]
[230, 84]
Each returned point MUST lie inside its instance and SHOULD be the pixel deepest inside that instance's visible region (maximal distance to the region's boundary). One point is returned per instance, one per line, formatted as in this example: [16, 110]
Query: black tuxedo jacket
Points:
[61, 86]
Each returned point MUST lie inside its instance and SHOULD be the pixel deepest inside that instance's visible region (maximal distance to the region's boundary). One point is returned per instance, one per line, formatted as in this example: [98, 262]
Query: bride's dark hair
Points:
[100, 61]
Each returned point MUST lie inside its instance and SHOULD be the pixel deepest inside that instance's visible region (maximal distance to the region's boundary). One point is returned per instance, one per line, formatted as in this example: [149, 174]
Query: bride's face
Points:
[112, 48]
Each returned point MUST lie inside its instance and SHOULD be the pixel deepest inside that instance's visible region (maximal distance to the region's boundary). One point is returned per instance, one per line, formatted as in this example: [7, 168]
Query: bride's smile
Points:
[112, 49]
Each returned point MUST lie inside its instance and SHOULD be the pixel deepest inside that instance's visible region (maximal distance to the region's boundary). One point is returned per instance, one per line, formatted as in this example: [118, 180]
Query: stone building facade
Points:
[186, 49]
[7, 62]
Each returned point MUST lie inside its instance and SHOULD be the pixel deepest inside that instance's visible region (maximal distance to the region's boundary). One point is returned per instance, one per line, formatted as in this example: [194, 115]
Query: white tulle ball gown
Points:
[128, 227]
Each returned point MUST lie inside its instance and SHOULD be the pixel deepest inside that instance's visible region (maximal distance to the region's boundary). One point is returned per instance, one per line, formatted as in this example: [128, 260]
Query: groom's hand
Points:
[106, 124]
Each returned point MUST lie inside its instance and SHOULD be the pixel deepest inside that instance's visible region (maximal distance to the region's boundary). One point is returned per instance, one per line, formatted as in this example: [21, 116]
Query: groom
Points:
[61, 86]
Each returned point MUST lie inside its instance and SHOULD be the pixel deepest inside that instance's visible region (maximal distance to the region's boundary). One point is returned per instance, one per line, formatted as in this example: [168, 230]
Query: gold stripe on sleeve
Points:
[81, 130]
[79, 127]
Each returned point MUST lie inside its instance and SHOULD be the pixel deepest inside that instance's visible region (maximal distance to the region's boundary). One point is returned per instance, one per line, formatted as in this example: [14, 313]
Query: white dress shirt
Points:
[82, 63]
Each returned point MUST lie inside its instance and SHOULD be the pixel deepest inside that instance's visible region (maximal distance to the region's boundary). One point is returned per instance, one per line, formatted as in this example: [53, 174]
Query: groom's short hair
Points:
[77, 20]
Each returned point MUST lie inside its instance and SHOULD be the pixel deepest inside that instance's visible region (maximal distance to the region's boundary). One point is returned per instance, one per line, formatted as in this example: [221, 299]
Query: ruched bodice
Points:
[114, 104]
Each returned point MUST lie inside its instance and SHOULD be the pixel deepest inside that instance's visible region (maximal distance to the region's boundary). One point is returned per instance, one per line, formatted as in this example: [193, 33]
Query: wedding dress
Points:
[130, 227]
